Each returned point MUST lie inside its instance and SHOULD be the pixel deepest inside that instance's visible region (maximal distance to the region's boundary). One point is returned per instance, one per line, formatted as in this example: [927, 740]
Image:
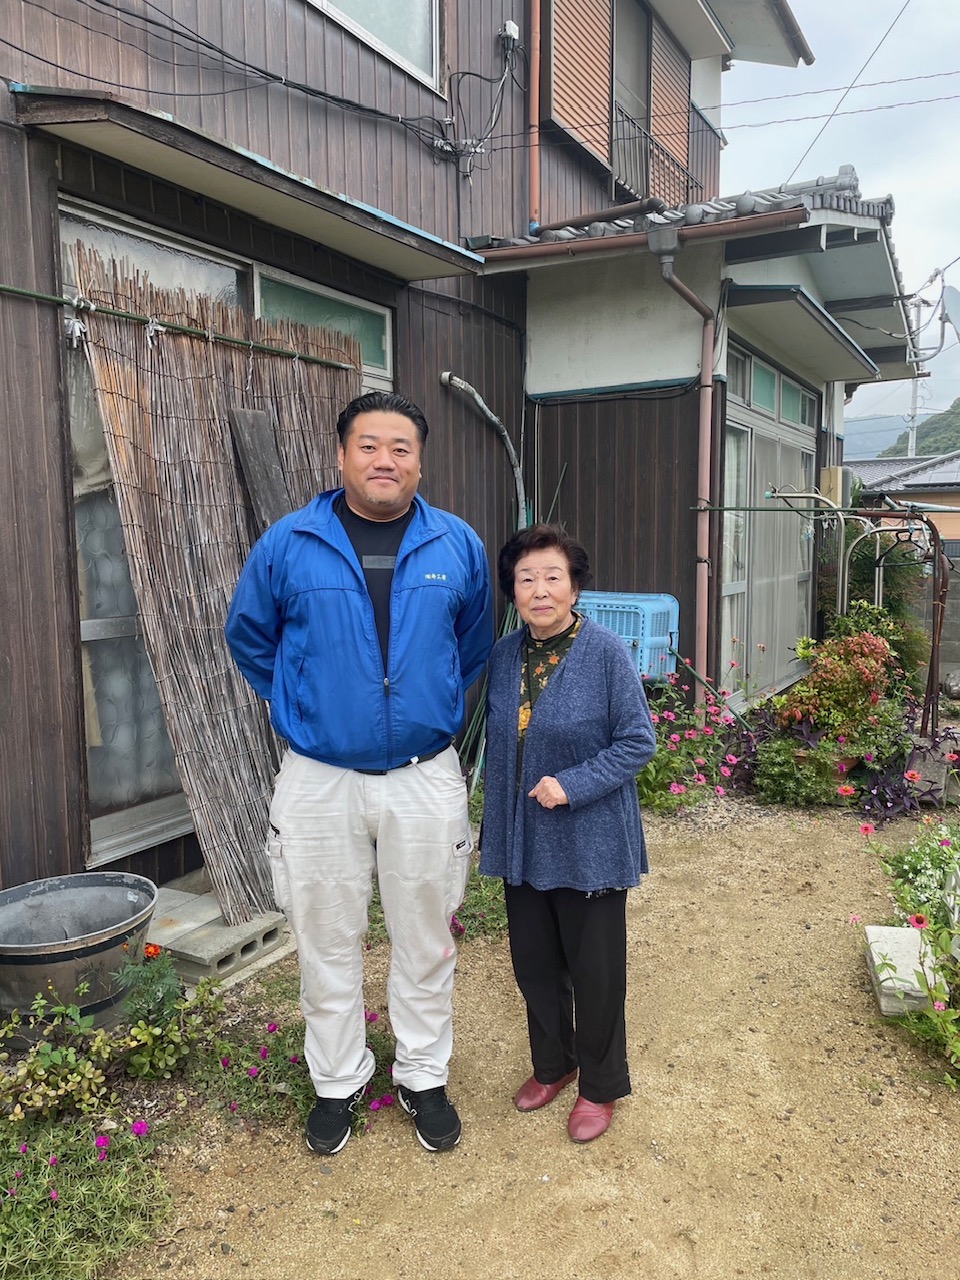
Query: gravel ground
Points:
[778, 1127]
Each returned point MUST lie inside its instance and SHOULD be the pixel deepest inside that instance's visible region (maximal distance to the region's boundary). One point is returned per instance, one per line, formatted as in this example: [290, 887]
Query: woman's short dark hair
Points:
[382, 402]
[542, 537]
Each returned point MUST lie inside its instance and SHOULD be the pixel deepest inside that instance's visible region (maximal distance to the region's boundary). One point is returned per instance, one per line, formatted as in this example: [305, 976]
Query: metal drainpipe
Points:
[705, 449]
[533, 121]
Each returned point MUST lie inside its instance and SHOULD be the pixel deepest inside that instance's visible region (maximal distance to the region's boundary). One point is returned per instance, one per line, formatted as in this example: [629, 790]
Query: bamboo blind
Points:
[188, 526]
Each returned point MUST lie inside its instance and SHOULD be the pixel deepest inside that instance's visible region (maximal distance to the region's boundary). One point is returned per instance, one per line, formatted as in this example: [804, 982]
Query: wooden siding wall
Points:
[639, 533]
[669, 91]
[375, 161]
[42, 787]
[578, 63]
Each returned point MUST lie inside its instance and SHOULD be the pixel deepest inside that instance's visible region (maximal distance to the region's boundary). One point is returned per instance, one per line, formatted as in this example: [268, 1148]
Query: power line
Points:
[876, 50]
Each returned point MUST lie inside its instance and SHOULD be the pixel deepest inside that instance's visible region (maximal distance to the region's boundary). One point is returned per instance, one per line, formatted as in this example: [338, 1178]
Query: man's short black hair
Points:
[382, 402]
[542, 537]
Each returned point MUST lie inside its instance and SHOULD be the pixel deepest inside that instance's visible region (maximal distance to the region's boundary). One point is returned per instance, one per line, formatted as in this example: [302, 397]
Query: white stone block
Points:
[897, 989]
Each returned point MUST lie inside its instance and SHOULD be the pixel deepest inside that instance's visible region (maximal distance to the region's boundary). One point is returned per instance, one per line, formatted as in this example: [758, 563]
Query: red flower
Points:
[919, 921]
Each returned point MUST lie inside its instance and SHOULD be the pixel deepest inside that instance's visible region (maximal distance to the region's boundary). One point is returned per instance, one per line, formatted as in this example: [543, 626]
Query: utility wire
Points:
[849, 88]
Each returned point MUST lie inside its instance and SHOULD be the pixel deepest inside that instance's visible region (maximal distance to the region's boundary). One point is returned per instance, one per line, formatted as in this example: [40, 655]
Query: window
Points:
[764, 387]
[406, 31]
[280, 298]
[767, 551]
[631, 60]
[134, 791]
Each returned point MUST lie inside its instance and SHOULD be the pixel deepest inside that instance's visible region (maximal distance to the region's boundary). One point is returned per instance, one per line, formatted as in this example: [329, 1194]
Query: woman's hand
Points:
[549, 793]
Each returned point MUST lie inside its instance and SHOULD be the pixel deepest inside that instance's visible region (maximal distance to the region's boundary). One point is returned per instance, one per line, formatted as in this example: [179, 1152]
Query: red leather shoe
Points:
[532, 1095]
[589, 1119]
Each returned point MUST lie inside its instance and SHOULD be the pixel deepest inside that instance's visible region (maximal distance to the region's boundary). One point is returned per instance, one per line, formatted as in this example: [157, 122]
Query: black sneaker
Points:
[434, 1116]
[330, 1122]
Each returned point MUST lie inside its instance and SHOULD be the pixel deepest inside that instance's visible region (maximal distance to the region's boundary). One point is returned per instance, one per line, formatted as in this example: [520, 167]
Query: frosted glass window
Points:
[282, 301]
[406, 29]
[764, 388]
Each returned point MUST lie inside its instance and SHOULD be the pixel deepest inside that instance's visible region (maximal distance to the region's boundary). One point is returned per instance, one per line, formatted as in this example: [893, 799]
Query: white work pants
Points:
[331, 830]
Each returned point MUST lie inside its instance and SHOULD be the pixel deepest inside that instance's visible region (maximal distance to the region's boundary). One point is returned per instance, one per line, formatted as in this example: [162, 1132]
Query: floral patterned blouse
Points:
[540, 659]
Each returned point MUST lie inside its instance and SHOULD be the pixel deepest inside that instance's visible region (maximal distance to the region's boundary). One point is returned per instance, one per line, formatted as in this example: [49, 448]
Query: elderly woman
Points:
[567, 730]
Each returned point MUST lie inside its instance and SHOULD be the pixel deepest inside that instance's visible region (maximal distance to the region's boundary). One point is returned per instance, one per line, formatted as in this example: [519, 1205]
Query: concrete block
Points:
[215, 949]
[897, 989]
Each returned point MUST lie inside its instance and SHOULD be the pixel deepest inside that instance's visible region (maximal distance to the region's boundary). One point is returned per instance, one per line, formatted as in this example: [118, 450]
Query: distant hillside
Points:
[940, 433]
[865, 437]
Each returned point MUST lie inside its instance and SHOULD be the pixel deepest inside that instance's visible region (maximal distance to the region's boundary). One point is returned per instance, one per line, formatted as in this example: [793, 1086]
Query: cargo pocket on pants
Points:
[278, 871]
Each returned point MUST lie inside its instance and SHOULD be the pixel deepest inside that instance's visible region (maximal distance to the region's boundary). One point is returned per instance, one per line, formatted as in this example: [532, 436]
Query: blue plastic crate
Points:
[649, 624]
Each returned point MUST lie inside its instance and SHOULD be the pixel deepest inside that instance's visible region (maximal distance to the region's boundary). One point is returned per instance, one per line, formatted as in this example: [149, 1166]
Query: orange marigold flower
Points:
[151, 951]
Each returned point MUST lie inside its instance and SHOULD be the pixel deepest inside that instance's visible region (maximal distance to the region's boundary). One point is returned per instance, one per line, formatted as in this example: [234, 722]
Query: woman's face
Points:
[543, 592]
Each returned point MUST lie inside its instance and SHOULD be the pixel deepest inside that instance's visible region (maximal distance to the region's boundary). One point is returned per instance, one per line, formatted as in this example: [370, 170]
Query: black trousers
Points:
[569, 956]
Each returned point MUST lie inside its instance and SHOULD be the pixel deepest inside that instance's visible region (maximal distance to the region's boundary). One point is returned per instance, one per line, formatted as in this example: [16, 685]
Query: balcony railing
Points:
[646, 168]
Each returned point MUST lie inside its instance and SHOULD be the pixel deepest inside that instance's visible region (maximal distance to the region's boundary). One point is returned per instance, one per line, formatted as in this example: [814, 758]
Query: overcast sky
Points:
[909, 152]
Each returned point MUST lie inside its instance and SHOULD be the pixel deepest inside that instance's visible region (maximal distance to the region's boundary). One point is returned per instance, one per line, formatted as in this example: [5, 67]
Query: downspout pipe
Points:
[533, 121]
[666, 253]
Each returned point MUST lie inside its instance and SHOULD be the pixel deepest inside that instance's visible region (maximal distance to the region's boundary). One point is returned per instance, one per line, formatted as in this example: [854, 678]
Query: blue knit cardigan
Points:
[591, 730]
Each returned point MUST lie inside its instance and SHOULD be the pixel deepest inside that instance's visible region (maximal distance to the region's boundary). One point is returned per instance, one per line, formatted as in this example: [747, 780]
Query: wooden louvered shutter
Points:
[577, 74]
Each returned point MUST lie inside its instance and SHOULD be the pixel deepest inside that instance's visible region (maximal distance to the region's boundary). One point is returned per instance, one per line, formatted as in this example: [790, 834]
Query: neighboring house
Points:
[458, 185]
[927, 482]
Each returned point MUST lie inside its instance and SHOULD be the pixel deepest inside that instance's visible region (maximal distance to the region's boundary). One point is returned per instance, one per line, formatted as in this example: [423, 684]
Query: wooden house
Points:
[523, 195]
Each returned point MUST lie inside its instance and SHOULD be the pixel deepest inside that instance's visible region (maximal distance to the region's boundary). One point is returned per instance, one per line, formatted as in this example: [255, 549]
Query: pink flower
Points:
[677, 788]
[52, 1161]
[24, 1149]
[939, 1006]
[271, 1028]
[721, 791]
[951, 756]
[654, 717]
[669, 715]
[707, 730]
[264, 1052]
[671, 746]
[944, 844]
[691, 733]
[387, 1100]
[139, 1128]
[841, 767]
[841, 739]
[912, 775]
[253, 1072]
[674, 737]
[919, 921]
[855, 919]
[53, 1193]
[699, 778]
[225, 1063]
[102, 1142]
[699, 760]
[868, 757]
[867, 828]
[294, 1058]
[374, 1104]
[726, 770]
[372, 1016]
[730, 759]
[233, 1106]
[846, 790]
[727, 719]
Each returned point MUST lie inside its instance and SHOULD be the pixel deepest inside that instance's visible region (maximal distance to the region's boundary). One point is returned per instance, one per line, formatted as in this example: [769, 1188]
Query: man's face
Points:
[380, 464]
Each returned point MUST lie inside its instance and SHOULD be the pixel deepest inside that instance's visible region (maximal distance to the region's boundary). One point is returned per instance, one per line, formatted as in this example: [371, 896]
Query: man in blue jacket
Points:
[362, 619]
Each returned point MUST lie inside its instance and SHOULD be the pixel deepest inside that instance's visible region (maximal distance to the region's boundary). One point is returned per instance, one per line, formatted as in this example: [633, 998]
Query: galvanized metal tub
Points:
[60, 932]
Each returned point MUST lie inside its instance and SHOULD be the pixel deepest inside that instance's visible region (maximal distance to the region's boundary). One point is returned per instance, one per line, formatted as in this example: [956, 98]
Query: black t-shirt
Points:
[376, 543]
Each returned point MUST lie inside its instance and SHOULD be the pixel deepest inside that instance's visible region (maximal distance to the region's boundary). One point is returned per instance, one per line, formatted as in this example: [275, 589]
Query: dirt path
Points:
[778, 1127]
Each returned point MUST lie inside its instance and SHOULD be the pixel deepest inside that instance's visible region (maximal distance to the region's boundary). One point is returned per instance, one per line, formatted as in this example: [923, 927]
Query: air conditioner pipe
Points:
[448, 379]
